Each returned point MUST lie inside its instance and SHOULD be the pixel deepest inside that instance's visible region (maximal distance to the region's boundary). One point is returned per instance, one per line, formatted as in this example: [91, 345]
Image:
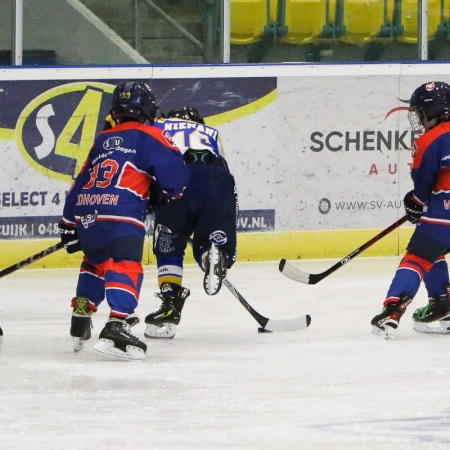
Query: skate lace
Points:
[126, 328]
[160, 296]
[423, 312]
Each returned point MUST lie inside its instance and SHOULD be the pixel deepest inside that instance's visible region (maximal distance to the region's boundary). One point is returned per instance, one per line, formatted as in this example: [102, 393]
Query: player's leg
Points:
[435, 316]
[214, 241]
[423, 250]
[90, 293]
[172, 229]
[123, 276]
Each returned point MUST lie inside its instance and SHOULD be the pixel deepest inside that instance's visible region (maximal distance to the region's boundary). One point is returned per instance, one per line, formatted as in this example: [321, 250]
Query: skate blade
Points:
[106, 347]
[78, 344]
[212, 281]
[167, 331]
[387, 333]
[437, 327]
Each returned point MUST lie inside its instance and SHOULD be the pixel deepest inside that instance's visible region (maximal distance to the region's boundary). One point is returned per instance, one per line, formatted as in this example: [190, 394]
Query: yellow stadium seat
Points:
[409, 20]
[305, 20]
[366, 20]
[248, 19]
[273, 11]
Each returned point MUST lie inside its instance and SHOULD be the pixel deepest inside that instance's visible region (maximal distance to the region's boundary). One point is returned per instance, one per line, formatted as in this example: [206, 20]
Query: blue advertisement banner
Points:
[44, 227]
[47, 128]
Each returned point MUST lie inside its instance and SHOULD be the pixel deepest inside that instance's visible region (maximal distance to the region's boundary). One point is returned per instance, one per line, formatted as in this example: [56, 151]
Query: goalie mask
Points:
[429, 105]
[133, 101]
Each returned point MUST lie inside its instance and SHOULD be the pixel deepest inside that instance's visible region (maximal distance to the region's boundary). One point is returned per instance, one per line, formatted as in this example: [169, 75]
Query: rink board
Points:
[320, 153]
[251, 247]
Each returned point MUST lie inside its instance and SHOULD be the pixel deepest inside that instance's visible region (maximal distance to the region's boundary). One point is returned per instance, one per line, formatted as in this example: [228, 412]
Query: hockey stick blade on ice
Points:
[31, 259]
[293, 273]
[295, 324]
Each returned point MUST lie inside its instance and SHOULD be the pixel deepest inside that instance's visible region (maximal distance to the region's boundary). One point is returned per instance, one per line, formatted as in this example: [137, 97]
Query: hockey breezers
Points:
[293, 273]
[31, 259]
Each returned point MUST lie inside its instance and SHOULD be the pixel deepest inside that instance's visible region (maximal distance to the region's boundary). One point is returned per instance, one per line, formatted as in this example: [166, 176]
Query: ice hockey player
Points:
[427, 207]
[208, 211]
[104, 217]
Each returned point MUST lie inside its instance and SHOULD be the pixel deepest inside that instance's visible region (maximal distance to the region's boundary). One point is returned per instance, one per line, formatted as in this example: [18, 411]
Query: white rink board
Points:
[330, 151]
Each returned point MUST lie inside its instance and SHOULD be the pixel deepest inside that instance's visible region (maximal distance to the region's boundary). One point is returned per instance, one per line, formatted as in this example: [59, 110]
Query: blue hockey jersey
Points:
[110, 195]
[431, 174]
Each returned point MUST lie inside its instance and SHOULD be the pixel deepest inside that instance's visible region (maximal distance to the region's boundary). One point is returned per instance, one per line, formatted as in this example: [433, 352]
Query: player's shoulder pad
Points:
[159, 134]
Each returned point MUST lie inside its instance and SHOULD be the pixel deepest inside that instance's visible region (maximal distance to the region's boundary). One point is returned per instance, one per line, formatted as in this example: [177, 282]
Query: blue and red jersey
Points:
[112, 188]
[431, 174]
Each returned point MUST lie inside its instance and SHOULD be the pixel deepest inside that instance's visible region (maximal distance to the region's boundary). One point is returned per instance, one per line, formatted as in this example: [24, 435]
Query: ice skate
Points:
[384, 324]
[162, 324]
[81, 323]
[434, 317]
[215, 270]
[116, 340]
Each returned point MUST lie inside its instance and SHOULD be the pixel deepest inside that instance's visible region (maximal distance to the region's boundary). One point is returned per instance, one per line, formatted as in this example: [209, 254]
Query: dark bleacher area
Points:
[30, 58]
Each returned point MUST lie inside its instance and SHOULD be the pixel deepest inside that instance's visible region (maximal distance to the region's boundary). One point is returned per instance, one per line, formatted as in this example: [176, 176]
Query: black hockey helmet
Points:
[133, 100]
[429, 105]
[186, 113]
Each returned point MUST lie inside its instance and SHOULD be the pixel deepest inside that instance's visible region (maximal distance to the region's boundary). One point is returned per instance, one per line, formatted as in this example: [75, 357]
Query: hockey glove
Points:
[158, 199]
[413, 210]
[69, 237]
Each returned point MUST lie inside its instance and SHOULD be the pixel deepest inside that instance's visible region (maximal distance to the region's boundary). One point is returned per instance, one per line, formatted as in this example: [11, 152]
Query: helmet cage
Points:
[416, 117]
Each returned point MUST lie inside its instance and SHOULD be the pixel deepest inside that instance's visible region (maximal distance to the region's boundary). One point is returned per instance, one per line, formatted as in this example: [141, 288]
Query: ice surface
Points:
[219, 384]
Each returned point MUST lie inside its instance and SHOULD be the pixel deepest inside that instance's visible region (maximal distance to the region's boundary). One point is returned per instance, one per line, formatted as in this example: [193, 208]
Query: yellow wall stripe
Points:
[7, 134]
[251, 247]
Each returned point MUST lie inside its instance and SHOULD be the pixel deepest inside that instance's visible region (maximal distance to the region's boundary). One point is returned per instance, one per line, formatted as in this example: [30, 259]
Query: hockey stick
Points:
[31, 259]
[292, 272]
[295, 324]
